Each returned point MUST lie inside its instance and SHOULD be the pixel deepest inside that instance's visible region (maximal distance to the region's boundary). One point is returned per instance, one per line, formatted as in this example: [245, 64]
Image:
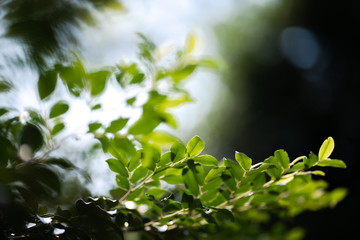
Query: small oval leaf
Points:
[195, 146]
[326, 148]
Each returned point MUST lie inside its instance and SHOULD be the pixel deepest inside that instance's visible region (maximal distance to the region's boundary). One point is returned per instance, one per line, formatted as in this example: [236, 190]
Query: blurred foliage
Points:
[46, 29]
[164, 188]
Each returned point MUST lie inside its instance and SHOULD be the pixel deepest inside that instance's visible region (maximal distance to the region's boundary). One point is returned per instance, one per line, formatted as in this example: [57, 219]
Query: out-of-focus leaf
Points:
[147, 122]
[3, 111]
[194, 146]
[96, 107]
[151, 155]
[73, 77]
[190, 43]
[156, 192]
[57, 128]
[98, 81]
[146, 47]
[117, 166]
[244, 161]
[206, 160]
[122, 182]
[131, 101]
[331, 163]
[182, 73]
[135, 160]
[94, 126]
[47, 83]
[58, 109]
[5, 86]
[139, 174]
[326, 148]
[160, 138]
[32, 136]
[117, 125]
[61, 162]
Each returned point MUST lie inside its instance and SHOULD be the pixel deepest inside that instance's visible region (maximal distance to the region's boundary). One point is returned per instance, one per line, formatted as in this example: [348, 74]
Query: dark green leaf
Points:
[156, 192]
[206, 160]
[244, 161]
[195, 146]
[5, 86]
[3, 111]
[32, 136]
[172, 207]
[117, 125]
[117, 166]
[58, 109]
[331, 163]
[47, 83]
[326, 148]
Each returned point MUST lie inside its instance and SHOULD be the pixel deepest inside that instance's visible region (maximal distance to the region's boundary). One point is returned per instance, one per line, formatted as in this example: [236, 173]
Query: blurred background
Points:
[292, 77]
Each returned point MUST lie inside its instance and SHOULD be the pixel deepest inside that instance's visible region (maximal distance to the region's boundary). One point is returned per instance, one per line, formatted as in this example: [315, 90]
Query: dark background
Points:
[284, 106]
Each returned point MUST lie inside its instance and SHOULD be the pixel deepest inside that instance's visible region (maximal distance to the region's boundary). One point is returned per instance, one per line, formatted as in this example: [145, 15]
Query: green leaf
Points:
[331, 163]
[96, 107]
[47, 83]
[149, 120]
[318, 172]
[190, 181]
[117, 125]
[311, 160]
[3, 111]
[94, 126]
[5, 86]
[326, 148]
[117, 166]
[172, 207]
[135, 160]
[156, 192]
[182, 73]
[57, 128]
[58, 109]
[244, 161]
[122, 182]
[234, 168]
[98, 81]
[206, 160]
[160, 138]
[215, 172]
[131, 101]
[139, 174]
[177, 152]
[190, 43]
[151, 155]
[283, 158]
[173, 179]
[73, 77]
[195, 146]
[213, 184]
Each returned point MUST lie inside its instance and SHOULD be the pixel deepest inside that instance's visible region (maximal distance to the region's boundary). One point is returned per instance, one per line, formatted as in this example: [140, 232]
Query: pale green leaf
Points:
[206, 160]
[195, 146]
[244, 161]
[331, 163]
[326, 148]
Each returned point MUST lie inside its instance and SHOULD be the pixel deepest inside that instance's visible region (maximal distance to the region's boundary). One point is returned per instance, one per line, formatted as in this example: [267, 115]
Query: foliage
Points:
[164, 187]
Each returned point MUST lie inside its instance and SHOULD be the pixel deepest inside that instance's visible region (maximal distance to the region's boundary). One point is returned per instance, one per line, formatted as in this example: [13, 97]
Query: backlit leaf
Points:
[206, 160]
[244, 161]
[326, 148]
[331, 163]
[195, 146]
